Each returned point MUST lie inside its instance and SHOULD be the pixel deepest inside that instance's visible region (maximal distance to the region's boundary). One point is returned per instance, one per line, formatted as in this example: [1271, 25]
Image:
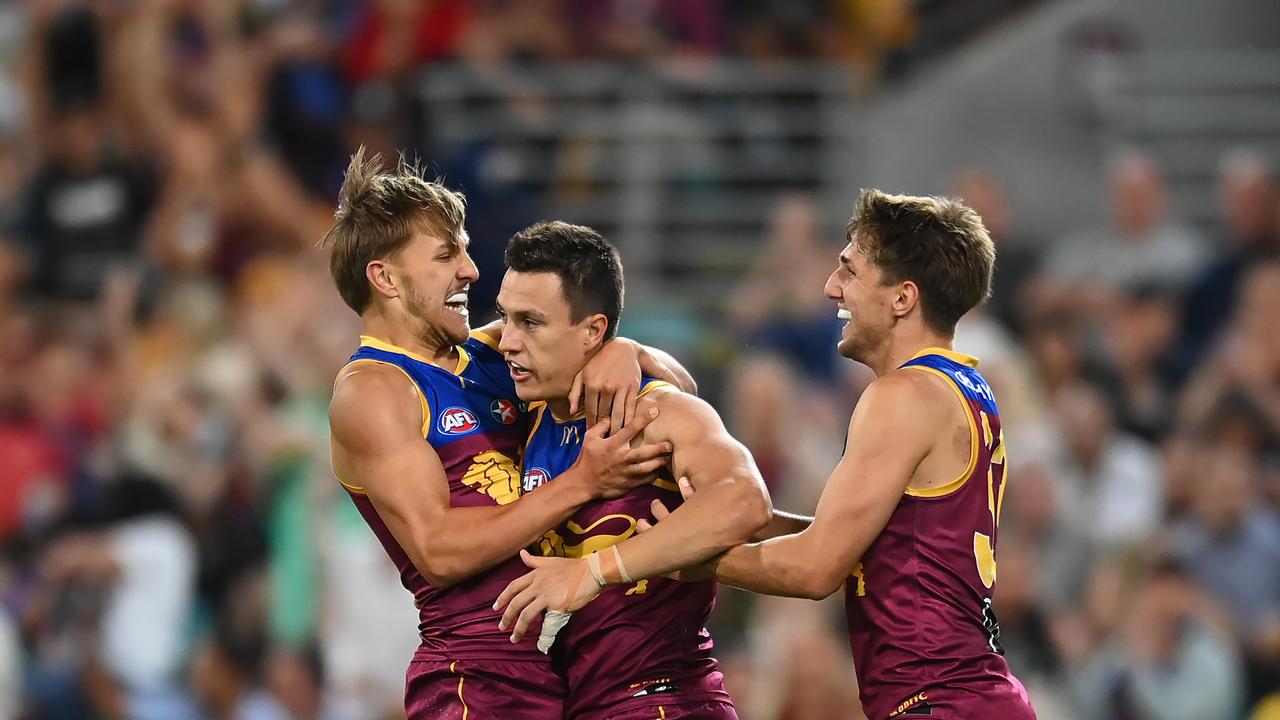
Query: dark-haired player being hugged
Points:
[908, 520]
[426, 439]
[640, 650]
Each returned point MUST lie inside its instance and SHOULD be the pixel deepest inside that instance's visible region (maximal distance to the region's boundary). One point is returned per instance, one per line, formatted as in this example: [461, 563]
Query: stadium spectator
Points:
[1230, 544]
[1247, 195]
[1144, 245]
[224, 672]
[1168, 660]
[790, 332]
[1111, 490]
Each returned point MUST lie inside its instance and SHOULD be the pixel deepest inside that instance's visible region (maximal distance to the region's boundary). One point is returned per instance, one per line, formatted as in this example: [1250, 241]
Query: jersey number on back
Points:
[983, 548]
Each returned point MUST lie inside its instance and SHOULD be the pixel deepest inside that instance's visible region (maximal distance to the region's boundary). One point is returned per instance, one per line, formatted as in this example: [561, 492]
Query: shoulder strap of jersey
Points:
[946, 370]
[649, 384]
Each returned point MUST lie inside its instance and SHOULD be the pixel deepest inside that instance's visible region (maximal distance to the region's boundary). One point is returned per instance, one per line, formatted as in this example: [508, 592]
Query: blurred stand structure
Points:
[168, 333]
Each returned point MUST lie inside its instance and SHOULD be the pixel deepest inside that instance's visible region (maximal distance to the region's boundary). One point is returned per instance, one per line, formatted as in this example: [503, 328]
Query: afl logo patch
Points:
[457, 421]
[535, 478]
[503, 410]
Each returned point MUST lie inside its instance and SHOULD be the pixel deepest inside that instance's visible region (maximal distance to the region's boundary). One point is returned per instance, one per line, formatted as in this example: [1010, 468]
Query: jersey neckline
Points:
[464, 359]
[966, 360]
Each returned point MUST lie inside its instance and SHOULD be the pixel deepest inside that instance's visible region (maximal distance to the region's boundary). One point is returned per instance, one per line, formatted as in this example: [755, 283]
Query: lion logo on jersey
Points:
[495, 475]
[574, 541]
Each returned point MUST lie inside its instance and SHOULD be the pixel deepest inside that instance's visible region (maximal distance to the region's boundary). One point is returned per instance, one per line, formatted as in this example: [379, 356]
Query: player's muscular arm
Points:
[889, 436]
[730, 504]
[376, 420]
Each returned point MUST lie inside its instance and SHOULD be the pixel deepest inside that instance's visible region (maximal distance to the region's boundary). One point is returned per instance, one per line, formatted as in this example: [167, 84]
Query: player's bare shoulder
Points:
[369, 400]
[902, 412]
[679, 415]
[925, 403]
[905, 393]
[914, 385]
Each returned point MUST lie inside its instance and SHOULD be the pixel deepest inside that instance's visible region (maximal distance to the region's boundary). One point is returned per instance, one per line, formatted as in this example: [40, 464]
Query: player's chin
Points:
[526, 393]
[847, 349]
[456, 328]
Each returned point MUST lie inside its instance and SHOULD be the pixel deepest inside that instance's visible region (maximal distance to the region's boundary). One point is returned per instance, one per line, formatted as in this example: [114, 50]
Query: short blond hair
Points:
[378, 213]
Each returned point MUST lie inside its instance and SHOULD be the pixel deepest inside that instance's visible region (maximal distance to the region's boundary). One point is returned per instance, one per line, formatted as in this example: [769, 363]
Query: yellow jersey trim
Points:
[974, 440]
[463, 358]
[486, 339]
[961, 358]
[538, 408]
[648, 387]
[653, 385]
[350, 488]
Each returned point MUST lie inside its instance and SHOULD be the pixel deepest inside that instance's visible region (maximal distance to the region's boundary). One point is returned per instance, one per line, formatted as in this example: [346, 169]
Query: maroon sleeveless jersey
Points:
[925, 640]
[472, 420]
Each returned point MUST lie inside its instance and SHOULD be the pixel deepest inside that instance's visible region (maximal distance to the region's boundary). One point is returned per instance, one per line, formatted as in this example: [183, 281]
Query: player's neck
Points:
[904, 346]
[559, 409]
[559, 406]
[444, 354]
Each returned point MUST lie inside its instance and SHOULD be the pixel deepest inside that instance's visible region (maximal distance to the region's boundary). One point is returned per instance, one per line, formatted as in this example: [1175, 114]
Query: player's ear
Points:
[378, 273]
[907, 297]
[596, 326]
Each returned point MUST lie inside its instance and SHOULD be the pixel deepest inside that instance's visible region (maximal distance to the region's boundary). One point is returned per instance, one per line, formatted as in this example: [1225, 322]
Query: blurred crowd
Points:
[173, 544]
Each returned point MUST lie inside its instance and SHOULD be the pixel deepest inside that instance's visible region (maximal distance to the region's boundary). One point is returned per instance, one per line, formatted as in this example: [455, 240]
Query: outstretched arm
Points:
[888, 438]
[376, 417]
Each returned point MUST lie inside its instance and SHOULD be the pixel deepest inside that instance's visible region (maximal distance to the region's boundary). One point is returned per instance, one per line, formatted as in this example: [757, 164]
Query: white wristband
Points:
[593, 564]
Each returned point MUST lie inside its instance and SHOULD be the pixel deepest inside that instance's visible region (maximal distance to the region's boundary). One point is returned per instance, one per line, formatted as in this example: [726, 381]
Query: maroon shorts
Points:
[1004, 701]
[483, 690]
[699, 696]
[673, 711]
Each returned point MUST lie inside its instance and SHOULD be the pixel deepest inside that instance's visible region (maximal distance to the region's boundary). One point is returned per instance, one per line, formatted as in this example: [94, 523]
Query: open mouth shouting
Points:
[457, 302]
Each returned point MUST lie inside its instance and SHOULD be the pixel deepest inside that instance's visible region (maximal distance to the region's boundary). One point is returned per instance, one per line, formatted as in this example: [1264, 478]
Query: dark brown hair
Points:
[589, 268]
[939, 244]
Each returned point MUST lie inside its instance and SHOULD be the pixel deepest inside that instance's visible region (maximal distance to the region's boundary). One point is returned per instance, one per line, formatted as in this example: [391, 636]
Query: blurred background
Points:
[174, 544]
